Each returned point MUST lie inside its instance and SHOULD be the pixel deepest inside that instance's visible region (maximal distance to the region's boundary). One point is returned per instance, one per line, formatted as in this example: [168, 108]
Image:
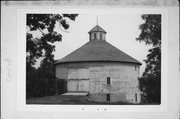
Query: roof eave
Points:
[96, 61]
[97, 31]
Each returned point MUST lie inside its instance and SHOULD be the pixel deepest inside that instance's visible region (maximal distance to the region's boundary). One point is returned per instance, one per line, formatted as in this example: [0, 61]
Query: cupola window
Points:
[101, 36]
[95, 36]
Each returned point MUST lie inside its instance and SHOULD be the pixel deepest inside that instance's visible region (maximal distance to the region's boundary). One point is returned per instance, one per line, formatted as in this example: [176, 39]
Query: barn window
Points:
[135, 68]
[107, 97]
[136, 97]
[108, 81]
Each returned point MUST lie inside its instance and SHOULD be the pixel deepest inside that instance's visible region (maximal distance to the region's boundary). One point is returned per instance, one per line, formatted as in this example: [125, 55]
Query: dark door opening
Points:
[136, 97]
[108, 97]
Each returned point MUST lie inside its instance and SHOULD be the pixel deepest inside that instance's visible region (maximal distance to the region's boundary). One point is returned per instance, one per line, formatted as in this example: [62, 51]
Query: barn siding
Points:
[78, 73]
[122, 79]
[78, 85]
[72, 85]
[84, 85]
[123, 76]
[121, 97]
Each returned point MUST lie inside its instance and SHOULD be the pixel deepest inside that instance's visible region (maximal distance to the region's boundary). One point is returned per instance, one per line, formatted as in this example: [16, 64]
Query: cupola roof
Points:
[97, 28]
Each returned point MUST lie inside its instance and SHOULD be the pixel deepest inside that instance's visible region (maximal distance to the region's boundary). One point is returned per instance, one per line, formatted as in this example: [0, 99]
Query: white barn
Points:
[99, 69]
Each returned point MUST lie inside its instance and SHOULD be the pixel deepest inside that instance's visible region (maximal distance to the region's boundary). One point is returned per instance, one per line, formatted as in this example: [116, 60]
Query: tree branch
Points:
[61, 28]
[41, 31]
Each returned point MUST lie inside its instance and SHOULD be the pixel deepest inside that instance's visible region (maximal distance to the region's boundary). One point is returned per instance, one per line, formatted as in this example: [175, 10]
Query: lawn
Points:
[73, 100]
[66, 99]
[59, 99]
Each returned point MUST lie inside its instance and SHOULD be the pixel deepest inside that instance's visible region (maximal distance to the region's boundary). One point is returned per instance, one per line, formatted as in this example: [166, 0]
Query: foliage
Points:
[42, 81]
[43, 46]
[150, 30]
[61, 86]
[150, 82]
[37, 85]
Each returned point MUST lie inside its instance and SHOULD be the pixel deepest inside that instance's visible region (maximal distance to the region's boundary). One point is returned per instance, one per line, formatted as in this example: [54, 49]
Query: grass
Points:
[59, 99]
[69, 100]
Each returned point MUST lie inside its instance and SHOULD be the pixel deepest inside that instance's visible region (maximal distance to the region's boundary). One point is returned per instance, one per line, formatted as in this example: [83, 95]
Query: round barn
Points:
[100, 70]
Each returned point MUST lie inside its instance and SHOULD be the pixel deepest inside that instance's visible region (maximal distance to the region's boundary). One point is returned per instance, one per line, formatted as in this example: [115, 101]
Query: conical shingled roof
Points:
[97, 28]
[98, 50]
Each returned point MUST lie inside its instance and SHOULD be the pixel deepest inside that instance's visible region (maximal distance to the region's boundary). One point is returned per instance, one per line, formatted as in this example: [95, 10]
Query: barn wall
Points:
[97, 97]
[78, 73]
[123, 79]
[101, 97]
[78, 85]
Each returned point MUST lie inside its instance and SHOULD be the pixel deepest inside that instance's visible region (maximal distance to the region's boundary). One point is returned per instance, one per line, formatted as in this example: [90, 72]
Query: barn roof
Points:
[97, 28]
[98, 50]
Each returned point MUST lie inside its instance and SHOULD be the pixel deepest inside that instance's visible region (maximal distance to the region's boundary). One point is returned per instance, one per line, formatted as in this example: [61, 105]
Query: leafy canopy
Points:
[42, 81]
[43, 46]
[150, 82]
[150, 30]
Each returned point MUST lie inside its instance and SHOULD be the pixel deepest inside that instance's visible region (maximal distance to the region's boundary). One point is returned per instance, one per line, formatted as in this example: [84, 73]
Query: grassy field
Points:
[59, 99]
[67, 99]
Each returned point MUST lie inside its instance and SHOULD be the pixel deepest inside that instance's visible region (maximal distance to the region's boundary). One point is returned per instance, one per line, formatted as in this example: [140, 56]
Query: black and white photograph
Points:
[93, 59]
[90, 59]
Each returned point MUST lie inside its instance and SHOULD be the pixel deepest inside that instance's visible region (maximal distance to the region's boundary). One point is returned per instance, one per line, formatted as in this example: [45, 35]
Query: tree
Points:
[150, 82]
[43, 46]
[41, 81]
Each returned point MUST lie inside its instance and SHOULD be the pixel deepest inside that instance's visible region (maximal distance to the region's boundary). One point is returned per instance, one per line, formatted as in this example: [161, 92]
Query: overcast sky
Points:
[122, 30]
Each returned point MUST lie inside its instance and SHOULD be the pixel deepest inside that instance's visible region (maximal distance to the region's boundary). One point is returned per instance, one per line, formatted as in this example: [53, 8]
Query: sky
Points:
[122, 30]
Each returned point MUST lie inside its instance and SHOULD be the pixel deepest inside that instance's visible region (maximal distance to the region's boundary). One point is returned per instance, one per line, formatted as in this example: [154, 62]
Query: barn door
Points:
[78, 85]
[72, 85]
[83, 85]
[78, 79]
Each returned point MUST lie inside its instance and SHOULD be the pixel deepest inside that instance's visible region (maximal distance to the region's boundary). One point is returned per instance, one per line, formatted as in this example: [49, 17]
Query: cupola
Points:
[97, 33]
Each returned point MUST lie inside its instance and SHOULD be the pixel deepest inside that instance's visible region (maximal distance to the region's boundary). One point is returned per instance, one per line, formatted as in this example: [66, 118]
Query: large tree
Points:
[43, 46]
[150, 82]
[41, 81]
